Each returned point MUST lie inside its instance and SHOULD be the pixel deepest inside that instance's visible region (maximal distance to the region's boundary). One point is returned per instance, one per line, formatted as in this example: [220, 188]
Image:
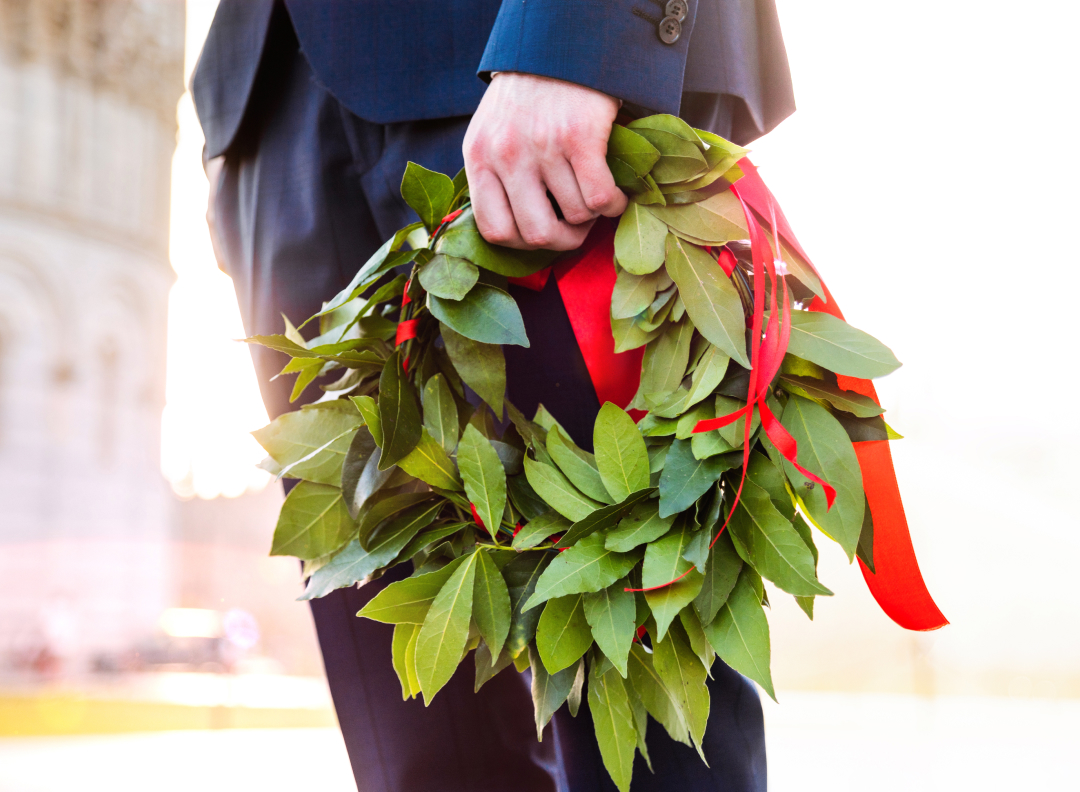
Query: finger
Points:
[561, 181]
[491, 208]
[597, 185]
[535, 218]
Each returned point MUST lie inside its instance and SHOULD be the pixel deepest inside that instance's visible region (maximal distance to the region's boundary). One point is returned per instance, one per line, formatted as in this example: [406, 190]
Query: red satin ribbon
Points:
[586, 281]
[406, 331]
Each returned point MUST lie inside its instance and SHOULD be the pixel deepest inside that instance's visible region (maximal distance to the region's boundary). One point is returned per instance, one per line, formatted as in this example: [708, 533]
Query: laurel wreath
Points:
[616, 575]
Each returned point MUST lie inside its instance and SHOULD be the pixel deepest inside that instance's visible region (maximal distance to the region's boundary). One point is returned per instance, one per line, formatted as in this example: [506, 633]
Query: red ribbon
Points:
[405, 331]
[586, 281]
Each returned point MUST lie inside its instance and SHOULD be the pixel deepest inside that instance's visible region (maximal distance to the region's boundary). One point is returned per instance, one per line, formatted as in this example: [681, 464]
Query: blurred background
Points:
[146, 638]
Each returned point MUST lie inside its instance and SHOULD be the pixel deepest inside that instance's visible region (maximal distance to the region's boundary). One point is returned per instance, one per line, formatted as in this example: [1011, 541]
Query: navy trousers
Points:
[307, 193]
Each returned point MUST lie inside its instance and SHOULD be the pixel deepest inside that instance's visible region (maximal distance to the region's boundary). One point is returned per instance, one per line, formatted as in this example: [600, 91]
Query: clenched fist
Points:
[532, 135]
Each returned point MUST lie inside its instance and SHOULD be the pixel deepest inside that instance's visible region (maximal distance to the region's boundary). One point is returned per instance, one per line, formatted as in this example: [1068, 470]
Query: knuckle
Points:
[600, 199]
[504, 149]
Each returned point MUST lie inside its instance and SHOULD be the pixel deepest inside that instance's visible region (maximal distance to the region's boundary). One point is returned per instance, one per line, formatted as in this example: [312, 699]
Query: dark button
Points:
[670, 29]
[677, 9]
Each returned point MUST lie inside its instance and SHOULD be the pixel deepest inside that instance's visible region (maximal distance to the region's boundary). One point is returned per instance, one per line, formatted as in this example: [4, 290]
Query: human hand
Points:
[531, 135]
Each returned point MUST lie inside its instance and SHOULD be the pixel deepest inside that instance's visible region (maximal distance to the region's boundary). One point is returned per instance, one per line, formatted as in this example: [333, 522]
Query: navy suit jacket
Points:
[407, 61]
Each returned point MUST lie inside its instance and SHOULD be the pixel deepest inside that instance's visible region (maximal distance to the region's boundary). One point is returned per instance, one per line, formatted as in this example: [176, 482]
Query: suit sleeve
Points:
[601, 44]
[728, 71]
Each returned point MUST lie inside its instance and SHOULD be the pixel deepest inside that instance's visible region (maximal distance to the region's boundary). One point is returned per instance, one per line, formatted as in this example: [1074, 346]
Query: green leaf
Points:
[721, 572]
[711, 299]
[521, 575]
[538, 529]
[735, 433]
[800, 526]
[621, 456]
[357, 460]
[440, 413]
[485, 479]
[740, 632]
[604, 518]
[665, 362]
[408, 600]
[819, 390]
[664, 563]
[428, 193]
[371, 480]
[685, 479]
[462, 239]
[448, 277]
[707, 375]
[491, 604]
[549, 691]
[313, 522]
[631, 149]
[643, 524]
[551, 485]
[355, 563]
[429, 463]
[658, 700]
[425, 538]
[639, 243]
[573, 701]
[772, 545]
[830, 342]
[369, 409]
[485, 314]
[824, 449]
[295, 436]
[680, 159]
[684, 675]
[672, 125]
[696, 635]
[481, 366]
[613, 723]
[713, 221]
[632, 293]
[445, 631]
[563, 634]
[399, 413]
[386, 507]
[578, 466]
[628, 335]
[611, 615]
[585, 567]
[404, 639]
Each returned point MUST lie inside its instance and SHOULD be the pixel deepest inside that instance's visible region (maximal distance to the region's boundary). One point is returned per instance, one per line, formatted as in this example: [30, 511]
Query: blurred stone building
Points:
[88, 92]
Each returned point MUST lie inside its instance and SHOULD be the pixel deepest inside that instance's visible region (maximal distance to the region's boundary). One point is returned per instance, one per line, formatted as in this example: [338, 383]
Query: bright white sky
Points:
[931, 173]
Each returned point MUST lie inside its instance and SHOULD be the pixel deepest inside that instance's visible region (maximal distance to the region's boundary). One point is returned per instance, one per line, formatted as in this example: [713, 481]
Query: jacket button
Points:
[670, 29]
[677, 9]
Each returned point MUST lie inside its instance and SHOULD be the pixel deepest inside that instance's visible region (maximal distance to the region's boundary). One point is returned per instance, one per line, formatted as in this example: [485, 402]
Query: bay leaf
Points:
[462, 239]
[486, 314]
[481, 366]
[711, 299]
[428, 193]
[830, 342]
[491, 604]
[445, 631]
[685, 478]
[684, 675]
[611, 615]
[658, 700]
[407, 601]
[540, 528]
[740, 633]
[824, 449]
[563, 634]
[577, 465]
[313, 522]
[664, 563]
[621, 457]
[484, 476]
[521, 575]
[644, 524]
[430, 463]
[448, 277]
[585, 567]
[721, 573]
[440, 413]
[639, 242]
[549, 691]
[551, 485]
[613, 724]
[399, 413]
